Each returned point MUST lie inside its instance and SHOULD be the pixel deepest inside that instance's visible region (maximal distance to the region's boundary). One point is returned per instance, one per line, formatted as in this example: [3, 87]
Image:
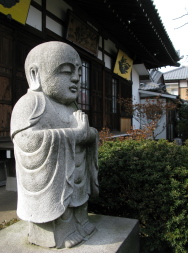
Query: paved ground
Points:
[114, 234]
[8, 204]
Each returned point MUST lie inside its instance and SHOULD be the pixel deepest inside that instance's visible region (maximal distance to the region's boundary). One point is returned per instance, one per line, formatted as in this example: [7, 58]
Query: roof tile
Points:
[176, 74]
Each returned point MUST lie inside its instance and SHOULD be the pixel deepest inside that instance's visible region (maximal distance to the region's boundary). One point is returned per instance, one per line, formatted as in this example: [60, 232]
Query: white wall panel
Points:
[135, 94]
[110, 47]
[34, 18]
[58, 8]
[162, 122]
[54, 26]
[99, 55]
[108, 61]
[183, 83]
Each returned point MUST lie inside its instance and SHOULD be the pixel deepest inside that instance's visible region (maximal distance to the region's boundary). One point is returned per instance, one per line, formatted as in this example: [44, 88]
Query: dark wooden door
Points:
[14, 47]
[6, 72]
[97, 97]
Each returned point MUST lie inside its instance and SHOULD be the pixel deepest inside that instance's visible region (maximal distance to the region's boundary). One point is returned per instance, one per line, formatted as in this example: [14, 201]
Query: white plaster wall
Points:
[54, 26]
[135, 94]
[58, 8]
[163, 135]
[110, 47]
[34, 18]
[183, 83]
[162, 122]
[108, 62]
[99, 55]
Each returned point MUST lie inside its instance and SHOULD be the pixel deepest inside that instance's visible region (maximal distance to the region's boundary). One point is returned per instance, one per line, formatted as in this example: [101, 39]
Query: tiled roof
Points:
[176, 74]
[151, 86]
[155, 75]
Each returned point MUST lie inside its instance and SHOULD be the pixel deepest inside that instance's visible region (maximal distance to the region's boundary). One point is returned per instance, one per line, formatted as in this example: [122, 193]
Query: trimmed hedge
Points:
[147, 180]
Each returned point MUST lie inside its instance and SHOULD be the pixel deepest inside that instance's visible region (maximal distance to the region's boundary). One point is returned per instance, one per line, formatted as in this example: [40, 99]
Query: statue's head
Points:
[54, 68]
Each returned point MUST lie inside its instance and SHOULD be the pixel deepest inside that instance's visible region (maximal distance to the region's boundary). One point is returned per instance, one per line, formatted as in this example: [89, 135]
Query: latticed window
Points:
[83, 99]
[114, 95]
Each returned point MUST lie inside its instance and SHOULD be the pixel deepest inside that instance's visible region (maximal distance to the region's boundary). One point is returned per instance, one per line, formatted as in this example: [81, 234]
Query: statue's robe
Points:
[54, 176]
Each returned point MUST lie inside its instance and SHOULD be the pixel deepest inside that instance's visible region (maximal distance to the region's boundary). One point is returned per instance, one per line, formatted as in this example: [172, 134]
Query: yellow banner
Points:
[18, 9]
[123, 65]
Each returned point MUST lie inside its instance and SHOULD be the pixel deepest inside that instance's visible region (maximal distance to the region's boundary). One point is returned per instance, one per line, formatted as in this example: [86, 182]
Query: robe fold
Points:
[52, 177]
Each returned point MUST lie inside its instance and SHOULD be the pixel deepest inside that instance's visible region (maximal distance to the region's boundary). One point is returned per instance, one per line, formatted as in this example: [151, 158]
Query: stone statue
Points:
[55, 149]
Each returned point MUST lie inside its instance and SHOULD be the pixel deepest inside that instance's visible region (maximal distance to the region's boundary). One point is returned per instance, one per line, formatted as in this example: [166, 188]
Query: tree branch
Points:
[181, 26]
[180, 17]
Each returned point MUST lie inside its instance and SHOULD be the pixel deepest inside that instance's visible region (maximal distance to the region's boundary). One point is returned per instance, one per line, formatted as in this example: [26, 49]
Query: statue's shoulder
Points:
[27, 111]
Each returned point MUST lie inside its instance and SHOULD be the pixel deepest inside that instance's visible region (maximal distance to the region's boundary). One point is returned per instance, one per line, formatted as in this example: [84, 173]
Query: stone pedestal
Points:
[114, 235]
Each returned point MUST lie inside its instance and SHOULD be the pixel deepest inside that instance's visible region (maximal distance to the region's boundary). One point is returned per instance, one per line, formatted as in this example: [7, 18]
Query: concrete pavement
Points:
[114, 234]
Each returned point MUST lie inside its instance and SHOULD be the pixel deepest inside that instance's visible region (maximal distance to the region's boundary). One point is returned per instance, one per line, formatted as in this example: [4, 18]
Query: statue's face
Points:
[63, 84]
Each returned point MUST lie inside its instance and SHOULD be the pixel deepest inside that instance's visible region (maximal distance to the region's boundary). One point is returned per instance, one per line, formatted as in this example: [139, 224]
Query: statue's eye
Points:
[66, 68]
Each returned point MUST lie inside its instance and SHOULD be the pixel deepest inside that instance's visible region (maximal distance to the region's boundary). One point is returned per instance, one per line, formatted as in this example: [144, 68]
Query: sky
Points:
[170, 12]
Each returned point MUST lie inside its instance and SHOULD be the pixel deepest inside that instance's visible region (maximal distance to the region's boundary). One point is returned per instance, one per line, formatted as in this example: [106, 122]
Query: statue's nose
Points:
[75, 79]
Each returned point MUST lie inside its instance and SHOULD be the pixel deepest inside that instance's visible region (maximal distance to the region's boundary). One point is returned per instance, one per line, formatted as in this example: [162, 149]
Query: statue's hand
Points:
[83, 130]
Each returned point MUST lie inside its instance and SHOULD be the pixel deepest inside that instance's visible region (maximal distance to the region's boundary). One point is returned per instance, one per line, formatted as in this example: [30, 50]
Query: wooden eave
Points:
[136, 27]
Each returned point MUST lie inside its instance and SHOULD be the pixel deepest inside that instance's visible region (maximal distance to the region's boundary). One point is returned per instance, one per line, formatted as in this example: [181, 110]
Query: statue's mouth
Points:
[73, 88]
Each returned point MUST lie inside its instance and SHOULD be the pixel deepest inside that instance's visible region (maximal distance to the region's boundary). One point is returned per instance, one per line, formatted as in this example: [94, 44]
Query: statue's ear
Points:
[35, 83]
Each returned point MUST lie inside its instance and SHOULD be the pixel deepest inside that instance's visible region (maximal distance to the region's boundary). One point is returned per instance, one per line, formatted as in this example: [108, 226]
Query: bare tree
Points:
[149, 114]
[180, 18]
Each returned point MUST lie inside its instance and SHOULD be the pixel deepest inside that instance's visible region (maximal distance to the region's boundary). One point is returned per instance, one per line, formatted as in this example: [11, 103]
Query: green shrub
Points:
[182, 124]
[148, 181]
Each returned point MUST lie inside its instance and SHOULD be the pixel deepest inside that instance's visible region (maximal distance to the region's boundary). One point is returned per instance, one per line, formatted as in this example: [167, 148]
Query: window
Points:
[172, 88]
[83, 99]
[114, 95]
